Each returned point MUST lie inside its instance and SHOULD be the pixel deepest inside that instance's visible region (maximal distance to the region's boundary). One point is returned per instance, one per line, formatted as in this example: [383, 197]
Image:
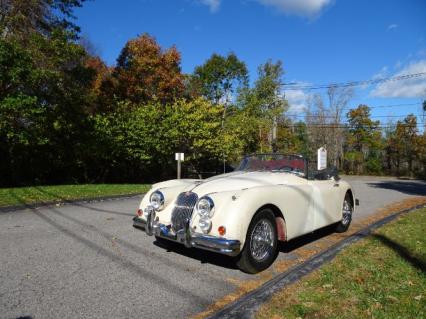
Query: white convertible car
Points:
[269, 198]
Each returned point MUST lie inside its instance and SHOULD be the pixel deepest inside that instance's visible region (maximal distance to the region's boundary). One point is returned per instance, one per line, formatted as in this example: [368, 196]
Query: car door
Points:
[296, 203]
[326, 202]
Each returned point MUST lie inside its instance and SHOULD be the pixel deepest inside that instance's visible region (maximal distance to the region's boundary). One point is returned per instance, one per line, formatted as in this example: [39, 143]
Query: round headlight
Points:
[157, 200]
[205, 207]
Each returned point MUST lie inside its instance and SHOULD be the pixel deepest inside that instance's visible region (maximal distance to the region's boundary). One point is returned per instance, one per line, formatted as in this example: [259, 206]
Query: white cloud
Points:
[307, 8]
[212, 4]
[392, 26]
[296, 100]
[410, 88]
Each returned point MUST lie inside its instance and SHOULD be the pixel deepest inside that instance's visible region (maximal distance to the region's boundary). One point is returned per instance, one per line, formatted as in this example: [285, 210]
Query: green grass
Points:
[43, 194]
[382, 276]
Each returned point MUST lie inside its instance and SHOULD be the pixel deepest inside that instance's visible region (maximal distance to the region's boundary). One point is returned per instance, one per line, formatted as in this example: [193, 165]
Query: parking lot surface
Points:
[85, 260]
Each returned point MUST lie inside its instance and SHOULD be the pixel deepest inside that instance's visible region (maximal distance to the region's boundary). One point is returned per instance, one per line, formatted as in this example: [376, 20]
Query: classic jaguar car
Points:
[243, 214]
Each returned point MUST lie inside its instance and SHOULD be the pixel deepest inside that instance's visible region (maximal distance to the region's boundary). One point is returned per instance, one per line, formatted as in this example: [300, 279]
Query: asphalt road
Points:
[87, 261]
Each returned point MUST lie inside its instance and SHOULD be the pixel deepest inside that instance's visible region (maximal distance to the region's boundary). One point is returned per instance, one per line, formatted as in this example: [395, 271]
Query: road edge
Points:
[247, 305]
[12, 208]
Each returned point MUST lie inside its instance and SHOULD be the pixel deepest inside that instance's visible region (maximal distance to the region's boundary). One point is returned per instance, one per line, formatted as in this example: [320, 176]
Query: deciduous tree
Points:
[146, 73]
[363, 142]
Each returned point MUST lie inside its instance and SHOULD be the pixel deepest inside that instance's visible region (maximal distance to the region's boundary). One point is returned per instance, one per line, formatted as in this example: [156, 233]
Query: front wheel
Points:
[260, 249]
[347, 211]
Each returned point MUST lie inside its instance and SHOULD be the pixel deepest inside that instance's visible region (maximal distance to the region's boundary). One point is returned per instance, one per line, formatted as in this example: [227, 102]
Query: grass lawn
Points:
[41, 194]
[382, 276]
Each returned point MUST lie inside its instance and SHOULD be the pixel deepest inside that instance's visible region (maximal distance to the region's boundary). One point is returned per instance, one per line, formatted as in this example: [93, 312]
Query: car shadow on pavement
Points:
[402, 252]
[417, 188]
[203, 256]
[228, 262]
[287, 247]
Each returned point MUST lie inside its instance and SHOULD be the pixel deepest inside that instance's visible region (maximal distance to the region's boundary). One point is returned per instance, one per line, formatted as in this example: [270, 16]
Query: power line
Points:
[389, 105]
[348, 126]
[331, 116]
[296, 86]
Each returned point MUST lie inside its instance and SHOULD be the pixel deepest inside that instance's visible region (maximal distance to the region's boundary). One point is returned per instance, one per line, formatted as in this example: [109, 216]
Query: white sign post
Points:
[322, 159]
[179, 157]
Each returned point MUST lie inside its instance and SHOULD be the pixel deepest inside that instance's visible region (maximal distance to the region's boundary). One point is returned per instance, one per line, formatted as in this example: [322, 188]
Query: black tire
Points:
[246, 261]
[344, 224]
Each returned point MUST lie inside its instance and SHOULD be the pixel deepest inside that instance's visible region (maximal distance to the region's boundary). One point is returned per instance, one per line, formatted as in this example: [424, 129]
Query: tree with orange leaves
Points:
[147, 73]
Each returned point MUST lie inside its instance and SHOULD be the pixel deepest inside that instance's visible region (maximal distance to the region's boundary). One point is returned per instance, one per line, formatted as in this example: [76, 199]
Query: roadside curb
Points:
[247, 305]
[12, 208]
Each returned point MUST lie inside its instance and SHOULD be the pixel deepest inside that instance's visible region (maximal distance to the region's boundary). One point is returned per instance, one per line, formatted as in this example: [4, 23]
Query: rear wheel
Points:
[347, 211]
[260, 249]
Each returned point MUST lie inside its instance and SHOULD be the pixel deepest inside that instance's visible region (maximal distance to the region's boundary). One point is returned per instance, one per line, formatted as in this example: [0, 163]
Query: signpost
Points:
[322, 158]
[179, 157]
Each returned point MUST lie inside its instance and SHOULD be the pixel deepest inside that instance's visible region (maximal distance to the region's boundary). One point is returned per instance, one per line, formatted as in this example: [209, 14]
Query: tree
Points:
[324, 121]
[43, 105]
[139, 143]
[220, 77]
[406, 140]
[146, 73]
[363, 142]
[101, 87]
[266, 102]
[21, 18]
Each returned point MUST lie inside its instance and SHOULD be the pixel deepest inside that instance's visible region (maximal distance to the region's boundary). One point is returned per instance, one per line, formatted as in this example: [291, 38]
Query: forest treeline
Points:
[67, 117]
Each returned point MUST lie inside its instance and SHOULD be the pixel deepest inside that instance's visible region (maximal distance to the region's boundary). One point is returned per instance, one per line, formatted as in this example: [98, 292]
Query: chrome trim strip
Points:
[186, 237]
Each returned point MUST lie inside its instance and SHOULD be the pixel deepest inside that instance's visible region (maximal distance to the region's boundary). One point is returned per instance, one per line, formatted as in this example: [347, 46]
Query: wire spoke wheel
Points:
[261, 245]
[346, 212]
[262, 240]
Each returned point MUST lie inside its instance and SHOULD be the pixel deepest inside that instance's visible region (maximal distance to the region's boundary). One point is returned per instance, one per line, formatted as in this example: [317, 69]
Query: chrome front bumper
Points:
[186, 237]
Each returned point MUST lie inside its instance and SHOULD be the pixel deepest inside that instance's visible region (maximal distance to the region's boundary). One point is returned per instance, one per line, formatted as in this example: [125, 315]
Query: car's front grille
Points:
[182, 211]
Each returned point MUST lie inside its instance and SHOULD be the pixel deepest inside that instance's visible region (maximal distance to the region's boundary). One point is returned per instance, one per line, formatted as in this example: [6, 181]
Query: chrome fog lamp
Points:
[205, 207]
[156, 200]
[205, 224]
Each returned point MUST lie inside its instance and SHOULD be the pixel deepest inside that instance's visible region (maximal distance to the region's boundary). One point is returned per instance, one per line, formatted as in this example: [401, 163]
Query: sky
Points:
[318, 41]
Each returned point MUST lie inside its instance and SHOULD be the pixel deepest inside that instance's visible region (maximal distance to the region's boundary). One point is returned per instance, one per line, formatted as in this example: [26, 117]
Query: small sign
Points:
[179, 156]
[322, 158]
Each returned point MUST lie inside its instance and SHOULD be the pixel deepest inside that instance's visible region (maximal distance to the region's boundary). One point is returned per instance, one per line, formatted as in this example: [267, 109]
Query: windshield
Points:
[274, 163]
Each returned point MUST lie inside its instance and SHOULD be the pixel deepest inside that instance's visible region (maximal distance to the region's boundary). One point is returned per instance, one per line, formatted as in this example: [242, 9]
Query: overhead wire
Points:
[297, 86]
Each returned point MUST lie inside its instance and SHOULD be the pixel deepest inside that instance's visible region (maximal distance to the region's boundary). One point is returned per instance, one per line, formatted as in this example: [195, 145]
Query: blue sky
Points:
[319, 41]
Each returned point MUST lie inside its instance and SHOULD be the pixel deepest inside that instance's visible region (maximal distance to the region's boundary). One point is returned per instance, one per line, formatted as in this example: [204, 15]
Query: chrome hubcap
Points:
[262, 240]
[347, 212]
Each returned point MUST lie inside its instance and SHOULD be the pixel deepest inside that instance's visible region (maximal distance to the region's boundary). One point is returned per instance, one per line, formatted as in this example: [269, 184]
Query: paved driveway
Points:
[87, 261]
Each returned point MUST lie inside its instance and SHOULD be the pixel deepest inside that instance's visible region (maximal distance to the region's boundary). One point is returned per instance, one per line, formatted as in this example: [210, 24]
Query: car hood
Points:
[243, 180]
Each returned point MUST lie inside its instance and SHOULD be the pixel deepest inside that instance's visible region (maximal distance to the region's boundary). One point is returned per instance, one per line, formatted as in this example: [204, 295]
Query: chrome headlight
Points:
[205, 207]
[156, 200]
